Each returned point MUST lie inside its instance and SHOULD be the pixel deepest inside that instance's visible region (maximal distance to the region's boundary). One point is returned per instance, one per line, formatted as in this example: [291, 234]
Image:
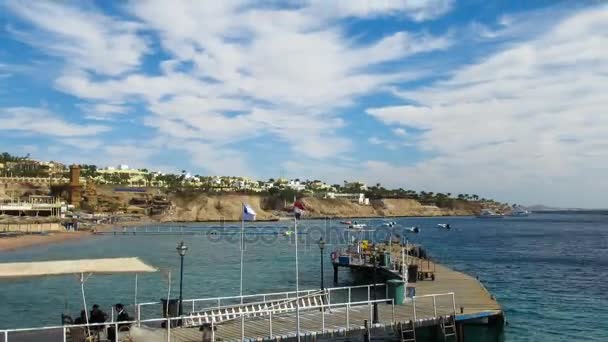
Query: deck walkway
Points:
[469, 293]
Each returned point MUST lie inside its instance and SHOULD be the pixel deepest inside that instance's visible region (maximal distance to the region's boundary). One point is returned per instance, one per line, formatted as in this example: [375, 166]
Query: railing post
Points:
[393, 305]
[65, 337]
[368, 293]
[349, 295]
[169, 329]
[115, 332]
[212, 331]
[414, 306]
[219, 303]
[112, 315]
[6, 335]
[138, 314]
[270, 324]
[434, 306]
[348, 316]
[329, 297]
[454, 303]
[322, 318]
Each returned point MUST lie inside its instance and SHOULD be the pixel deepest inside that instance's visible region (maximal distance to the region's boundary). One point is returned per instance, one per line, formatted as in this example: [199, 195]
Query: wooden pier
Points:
[450, 295]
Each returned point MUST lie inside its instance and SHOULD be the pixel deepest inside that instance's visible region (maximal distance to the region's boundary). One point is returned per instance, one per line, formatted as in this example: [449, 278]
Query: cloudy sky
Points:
[504, 99]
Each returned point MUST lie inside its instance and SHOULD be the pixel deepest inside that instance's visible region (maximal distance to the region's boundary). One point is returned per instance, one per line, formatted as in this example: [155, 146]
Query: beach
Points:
[28, 240]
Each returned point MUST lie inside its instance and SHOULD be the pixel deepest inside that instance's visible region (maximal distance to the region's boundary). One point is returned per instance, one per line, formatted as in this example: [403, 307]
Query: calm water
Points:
[549, 271]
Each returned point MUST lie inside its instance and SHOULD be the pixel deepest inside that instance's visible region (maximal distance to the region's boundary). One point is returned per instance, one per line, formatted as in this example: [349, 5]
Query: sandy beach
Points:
[23, 241]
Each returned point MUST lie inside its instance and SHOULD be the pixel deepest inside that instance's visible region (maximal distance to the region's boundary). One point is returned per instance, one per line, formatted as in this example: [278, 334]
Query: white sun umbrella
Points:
[80, 267]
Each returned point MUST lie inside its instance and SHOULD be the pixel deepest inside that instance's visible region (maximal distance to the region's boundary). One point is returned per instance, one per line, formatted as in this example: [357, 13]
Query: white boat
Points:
[389, 224]
[487, 213]
[444, 225]
[414, 230]
[357, 226]
[520, 212]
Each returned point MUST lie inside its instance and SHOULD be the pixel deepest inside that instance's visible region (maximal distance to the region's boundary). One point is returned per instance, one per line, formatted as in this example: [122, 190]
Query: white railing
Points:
[65, 329]
[446, 309]
[200, 304]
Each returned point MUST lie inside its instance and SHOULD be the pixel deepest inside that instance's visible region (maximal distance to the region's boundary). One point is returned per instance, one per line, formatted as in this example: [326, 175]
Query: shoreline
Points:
[30, 240]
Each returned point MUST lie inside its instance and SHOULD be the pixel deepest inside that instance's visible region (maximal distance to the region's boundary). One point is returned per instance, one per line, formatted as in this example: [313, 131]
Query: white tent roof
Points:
[50, 268]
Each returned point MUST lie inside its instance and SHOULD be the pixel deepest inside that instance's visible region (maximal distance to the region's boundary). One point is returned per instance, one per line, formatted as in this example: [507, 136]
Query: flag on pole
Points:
[298, 209]
[248, 213]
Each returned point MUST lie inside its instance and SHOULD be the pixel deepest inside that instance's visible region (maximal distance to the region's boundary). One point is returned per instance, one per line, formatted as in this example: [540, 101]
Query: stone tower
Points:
[75, 187]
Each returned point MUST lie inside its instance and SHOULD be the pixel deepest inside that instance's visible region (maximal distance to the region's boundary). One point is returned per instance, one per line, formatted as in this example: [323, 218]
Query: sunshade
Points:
[62, 267]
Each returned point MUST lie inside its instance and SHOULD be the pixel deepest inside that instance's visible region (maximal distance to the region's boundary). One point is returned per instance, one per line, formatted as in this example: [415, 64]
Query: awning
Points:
[62, 267]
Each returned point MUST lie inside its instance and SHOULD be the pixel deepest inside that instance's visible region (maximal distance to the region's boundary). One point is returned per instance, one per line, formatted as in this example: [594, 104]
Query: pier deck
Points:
[469, 294]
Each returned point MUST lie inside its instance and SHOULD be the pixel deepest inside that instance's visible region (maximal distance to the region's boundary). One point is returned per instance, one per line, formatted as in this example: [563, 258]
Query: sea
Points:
[549, 271]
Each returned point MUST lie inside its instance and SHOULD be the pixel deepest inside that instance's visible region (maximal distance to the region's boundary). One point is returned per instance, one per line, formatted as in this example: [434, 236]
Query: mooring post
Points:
[335, 275]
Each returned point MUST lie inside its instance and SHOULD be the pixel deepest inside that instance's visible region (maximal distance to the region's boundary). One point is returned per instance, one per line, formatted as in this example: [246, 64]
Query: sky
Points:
[504, 99]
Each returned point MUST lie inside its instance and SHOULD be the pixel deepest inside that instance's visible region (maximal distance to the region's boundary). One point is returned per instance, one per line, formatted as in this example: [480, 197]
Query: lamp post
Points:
[321, 248]
[375, 316]
[181, 250]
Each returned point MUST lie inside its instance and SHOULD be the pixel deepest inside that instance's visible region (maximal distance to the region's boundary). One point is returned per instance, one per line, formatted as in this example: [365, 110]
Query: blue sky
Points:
[505, 99]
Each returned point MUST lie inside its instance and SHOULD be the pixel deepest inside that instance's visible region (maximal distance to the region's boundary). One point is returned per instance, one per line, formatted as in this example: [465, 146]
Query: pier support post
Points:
[335, 275]
[460, 331]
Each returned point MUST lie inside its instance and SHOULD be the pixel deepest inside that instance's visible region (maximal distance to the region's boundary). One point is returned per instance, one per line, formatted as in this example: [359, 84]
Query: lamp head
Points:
[321, 244]
[181, 248]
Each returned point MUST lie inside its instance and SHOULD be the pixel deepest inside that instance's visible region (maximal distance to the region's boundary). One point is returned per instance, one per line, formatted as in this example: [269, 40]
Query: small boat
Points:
[520, 212]
[444, 225]
[346, 222]
[389, 224]
[487, 213]
[357, 226]
[414, 230]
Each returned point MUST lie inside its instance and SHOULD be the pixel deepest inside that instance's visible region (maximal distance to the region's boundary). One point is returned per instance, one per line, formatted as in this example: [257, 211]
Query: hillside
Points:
[204, 207]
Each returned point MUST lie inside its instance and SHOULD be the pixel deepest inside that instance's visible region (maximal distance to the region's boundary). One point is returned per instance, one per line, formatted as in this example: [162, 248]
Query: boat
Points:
[414, 230]
[389, 224]
[346, 222]
[357, 226]
[444, 225]
[520, 212]
[487, 213]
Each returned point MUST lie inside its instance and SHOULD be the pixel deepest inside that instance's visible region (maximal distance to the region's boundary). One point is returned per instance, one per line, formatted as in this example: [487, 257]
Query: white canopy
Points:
[52, 268]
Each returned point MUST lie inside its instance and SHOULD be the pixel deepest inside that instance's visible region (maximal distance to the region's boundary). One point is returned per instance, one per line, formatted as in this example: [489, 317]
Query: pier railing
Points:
[334, 295]
[65, 332]
[424, 307]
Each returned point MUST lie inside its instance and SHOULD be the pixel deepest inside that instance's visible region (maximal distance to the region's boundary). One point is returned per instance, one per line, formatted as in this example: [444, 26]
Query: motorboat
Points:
[356, 225]
[389, 224]
[414, 230]
[487, 213]
[444, 225]
[520, 212]
[346, 222]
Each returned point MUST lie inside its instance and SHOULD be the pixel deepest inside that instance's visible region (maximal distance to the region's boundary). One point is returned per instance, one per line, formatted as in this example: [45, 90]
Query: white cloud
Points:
[86, 39]
[400, 132]
[417, 10]
[525, 120]
[43, 122]
[285, 73]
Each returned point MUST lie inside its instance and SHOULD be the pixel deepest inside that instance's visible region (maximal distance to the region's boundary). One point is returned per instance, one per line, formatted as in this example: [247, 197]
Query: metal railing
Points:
[334, 294]
[445, 308]
[65, 329]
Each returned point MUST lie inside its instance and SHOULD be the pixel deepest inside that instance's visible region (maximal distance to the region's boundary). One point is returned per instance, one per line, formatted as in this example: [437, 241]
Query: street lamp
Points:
[375, 317]
[321, 248]
[181, 250]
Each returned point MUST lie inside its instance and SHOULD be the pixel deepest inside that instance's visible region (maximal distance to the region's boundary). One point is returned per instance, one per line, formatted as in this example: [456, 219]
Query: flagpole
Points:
[241, 287]
[295, 220]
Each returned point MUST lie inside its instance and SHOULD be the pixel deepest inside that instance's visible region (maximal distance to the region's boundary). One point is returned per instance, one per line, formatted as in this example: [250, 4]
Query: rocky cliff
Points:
[202, 207]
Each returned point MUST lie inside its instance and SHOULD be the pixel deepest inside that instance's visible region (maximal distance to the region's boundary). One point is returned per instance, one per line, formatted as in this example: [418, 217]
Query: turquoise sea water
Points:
[549, 271]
